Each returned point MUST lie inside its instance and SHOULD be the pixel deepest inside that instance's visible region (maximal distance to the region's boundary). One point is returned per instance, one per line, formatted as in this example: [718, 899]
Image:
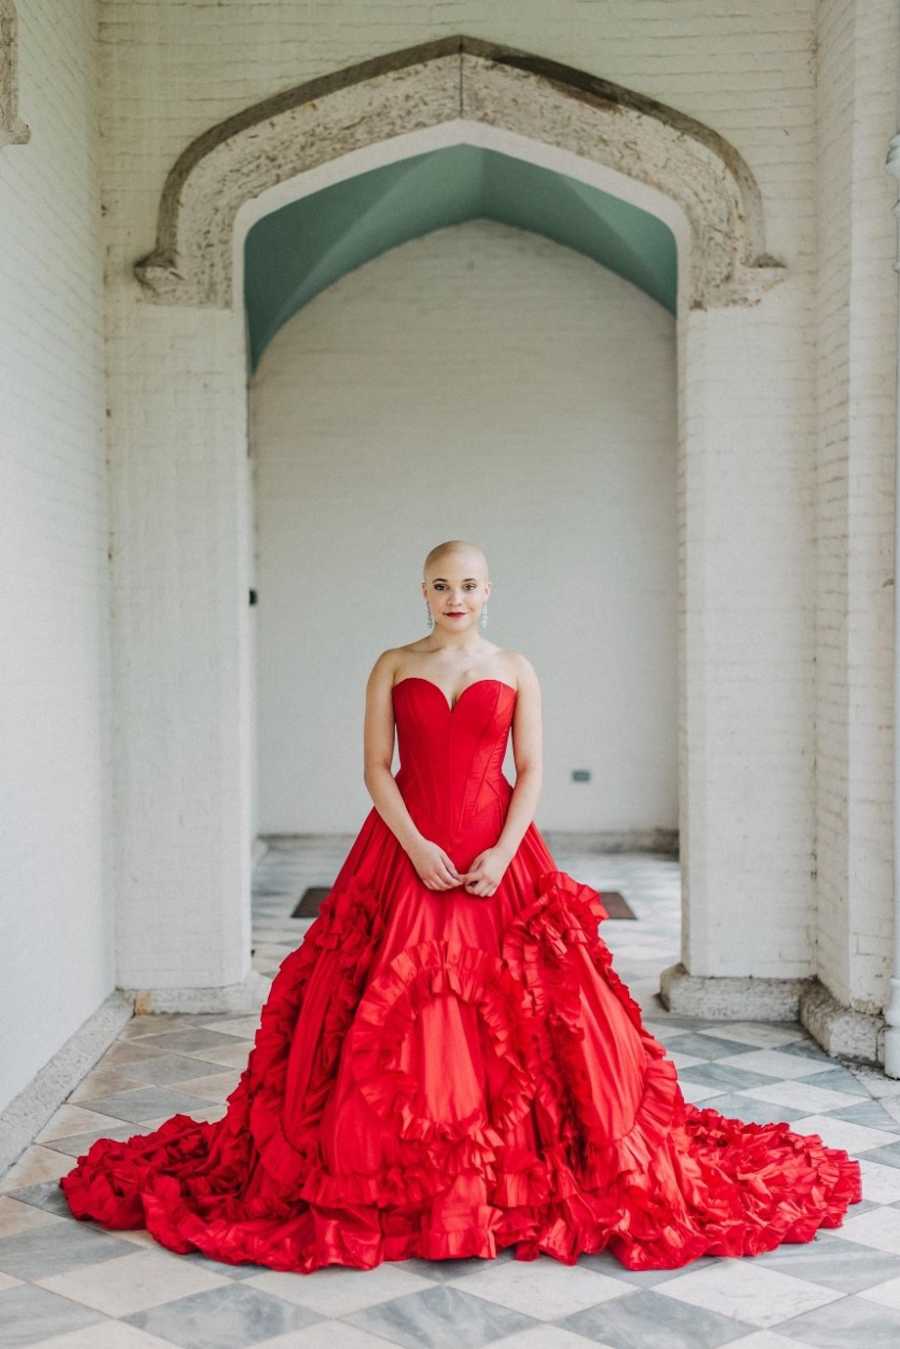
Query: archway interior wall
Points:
[463, 369]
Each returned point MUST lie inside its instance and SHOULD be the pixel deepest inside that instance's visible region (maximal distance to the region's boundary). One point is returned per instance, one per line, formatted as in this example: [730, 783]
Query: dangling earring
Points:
[483, 619]
[430, 622]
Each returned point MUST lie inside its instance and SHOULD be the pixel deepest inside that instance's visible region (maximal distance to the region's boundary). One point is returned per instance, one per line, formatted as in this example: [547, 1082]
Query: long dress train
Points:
[436, 1074]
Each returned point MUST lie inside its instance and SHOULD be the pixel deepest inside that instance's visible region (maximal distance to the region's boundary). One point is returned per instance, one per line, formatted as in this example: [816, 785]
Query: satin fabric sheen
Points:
[436, 1074]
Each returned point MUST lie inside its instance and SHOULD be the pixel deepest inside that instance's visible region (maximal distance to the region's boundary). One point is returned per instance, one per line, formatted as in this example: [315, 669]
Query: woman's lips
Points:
[456, 613]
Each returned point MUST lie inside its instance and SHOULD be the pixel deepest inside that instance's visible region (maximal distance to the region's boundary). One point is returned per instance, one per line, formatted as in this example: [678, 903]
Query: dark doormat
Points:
[310, 901]
[616, 905]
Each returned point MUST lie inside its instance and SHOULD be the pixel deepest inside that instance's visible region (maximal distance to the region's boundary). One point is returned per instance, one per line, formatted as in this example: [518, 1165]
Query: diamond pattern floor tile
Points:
[74, 1285]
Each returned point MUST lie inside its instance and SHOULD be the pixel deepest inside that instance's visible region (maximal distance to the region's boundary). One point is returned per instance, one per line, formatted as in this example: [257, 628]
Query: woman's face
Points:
[456, 588]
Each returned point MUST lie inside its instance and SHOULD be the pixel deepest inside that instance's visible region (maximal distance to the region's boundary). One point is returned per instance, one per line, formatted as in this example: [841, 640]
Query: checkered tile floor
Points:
[75, 1285]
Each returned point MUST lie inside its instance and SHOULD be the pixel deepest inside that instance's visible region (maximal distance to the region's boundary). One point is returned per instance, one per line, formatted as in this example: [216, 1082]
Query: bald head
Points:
[459, 551]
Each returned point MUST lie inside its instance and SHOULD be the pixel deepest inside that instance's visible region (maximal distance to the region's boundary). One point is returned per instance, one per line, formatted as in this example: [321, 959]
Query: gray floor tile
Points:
[711, 1046]
[851, 1323]
[889, 1155]
[649, 1320]
[443, 1270]
[29, 1315]
[870, 1113]
[57, 1247]
[165, 1069]
[44, 1194]
[845, 1266]
[148, 1103]
[717, 1075]
[440, 1318]
[73, 1145]
[199, 1039]
[231, 1271]
[604, 1262]
[735, 1106]
[838, 1079]
[806, 1049]
[232, 1316]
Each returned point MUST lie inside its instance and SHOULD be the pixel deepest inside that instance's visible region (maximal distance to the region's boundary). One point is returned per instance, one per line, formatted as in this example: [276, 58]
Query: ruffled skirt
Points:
[440, 1075]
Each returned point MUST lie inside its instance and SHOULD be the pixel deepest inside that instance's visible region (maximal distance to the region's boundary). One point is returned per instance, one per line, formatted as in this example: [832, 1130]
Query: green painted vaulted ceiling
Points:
[299, 249]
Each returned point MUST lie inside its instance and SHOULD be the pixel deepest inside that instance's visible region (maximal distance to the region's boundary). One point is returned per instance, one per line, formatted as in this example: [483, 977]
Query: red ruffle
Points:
[532, 1167]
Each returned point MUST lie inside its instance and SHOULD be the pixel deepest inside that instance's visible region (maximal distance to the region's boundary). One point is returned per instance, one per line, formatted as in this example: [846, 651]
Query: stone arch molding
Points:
[13, 131]
[446, 80]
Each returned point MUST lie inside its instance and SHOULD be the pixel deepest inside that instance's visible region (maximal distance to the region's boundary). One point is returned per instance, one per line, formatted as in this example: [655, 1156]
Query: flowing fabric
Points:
[437, 1074]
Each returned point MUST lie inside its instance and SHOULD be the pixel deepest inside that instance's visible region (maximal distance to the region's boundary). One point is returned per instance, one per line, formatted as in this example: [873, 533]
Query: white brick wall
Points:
[481, 382]
[746, 508]
[55, 824]
[781, 703]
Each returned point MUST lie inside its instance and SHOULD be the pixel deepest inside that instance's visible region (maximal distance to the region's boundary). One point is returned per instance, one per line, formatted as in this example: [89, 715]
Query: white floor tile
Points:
[326, 1335]
[71, 1119]
[132, 1283]
[880, 1183]
[879, 1228]
[105, 1335]
[754, 1033]
[804, 1095]
[751, 1293]
[842, 1133]
[885, 1294]
[766, 1339]
[775, 1064]
[16, 1217]
[543, 1288]
[338, 1292]
[37, 1163]
[543, 1337]
[699, 1091]
[682, 1061]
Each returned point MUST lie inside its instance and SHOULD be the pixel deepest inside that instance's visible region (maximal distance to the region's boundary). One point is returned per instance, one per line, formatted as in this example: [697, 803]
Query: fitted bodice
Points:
[451, 761]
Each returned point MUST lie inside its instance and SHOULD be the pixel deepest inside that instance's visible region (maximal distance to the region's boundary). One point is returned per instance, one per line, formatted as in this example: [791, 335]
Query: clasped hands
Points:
[438, 871]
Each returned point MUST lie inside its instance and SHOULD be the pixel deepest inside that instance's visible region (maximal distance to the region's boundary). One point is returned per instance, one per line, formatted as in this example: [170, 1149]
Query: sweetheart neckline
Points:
[451, 707]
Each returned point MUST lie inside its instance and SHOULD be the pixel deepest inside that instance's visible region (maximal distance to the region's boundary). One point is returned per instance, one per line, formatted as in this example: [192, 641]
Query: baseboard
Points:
[27, 1114]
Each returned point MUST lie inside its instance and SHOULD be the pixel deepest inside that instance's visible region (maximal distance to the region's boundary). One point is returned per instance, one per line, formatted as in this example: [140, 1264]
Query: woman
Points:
[448, 1064]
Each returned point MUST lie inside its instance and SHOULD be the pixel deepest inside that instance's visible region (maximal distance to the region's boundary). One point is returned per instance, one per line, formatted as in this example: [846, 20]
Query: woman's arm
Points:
[378, 754]
[434, 866]
[528, 754]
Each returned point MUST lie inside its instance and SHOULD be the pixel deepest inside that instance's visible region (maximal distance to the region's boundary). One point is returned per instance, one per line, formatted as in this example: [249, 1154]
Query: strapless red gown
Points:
[436, 1074]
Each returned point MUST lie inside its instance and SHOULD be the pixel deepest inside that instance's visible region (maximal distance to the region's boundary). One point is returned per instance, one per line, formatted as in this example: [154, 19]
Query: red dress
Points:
[437, 1074]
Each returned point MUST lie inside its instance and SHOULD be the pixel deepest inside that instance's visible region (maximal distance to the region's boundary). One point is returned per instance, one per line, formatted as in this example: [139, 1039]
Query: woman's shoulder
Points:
[519, 665]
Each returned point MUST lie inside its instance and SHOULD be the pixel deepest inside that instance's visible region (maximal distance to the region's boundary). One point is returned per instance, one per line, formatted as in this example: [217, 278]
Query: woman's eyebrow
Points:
[443, 578]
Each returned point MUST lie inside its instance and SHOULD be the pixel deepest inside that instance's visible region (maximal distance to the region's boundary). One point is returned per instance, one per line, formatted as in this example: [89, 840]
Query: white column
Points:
[181, 567]
[892, 1010]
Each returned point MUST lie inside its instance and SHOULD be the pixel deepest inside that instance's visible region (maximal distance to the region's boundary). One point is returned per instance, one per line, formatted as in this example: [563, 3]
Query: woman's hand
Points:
[486, 872]
[435, 868]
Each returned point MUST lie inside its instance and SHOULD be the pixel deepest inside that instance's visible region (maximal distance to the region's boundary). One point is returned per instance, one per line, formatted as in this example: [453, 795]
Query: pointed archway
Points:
[458, 79]
[13, 131]
[187, 813]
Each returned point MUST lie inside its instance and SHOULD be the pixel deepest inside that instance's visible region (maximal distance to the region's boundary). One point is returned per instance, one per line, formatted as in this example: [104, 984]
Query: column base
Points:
[729, 998]
[841, 1031]
[244, 997]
